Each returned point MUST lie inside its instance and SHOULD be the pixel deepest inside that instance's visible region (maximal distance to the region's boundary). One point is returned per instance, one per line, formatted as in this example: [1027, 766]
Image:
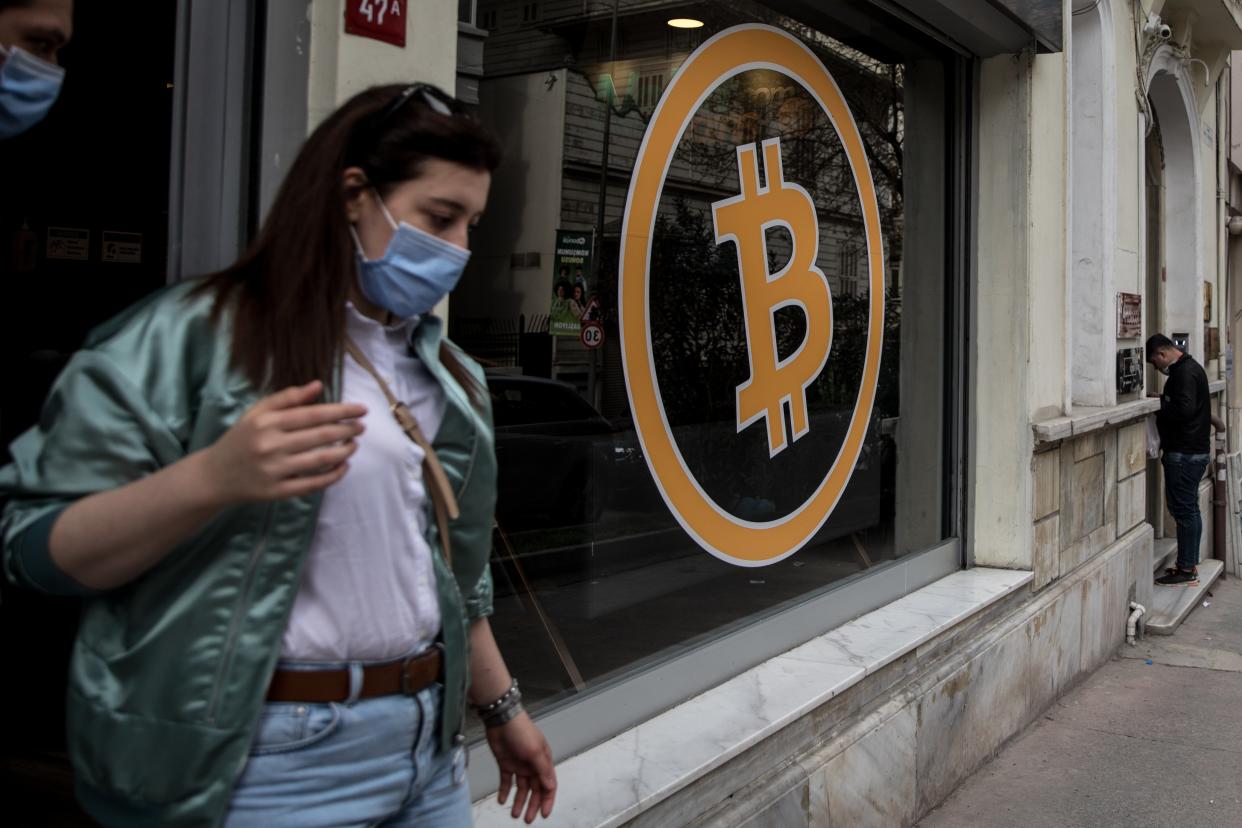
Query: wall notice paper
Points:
[1129, 315]
[68, 243]
[125, 248]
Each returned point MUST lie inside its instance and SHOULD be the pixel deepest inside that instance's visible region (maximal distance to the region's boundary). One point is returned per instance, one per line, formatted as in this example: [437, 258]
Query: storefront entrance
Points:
[83, 234]
[1175, 289]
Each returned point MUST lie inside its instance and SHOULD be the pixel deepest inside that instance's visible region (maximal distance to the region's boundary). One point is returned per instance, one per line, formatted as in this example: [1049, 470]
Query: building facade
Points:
[813, 333]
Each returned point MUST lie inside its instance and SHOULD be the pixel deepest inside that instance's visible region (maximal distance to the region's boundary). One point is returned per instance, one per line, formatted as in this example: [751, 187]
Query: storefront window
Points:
[599, 570]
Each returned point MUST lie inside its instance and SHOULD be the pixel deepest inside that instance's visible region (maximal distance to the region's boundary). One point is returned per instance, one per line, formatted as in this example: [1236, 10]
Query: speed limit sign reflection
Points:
[592, 334]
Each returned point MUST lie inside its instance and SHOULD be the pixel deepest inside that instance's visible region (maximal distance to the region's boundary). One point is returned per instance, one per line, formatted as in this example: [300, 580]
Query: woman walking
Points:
[276, 488]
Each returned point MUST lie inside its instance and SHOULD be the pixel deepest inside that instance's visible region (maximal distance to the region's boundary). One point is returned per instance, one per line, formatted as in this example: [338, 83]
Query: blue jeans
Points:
[372, 762]
[1182, 473]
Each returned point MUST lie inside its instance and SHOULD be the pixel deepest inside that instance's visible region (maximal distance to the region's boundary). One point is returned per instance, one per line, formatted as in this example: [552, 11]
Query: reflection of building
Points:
[555, 70]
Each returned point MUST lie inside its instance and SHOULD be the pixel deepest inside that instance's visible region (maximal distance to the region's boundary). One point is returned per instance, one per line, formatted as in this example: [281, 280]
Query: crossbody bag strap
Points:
[436, 479]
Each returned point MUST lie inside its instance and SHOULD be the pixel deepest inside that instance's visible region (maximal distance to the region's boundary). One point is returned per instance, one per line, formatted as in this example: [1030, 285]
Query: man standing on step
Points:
[1185, 422]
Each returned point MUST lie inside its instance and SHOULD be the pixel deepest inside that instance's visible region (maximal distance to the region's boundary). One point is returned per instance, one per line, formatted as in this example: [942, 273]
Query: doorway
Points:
[83, 234]
[1152, 296]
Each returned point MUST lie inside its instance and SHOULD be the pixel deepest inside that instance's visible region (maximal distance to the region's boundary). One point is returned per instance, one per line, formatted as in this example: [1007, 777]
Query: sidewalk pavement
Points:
[1153, 738]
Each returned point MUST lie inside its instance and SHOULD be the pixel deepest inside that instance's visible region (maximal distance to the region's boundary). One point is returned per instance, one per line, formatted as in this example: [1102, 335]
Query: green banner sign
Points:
[571, 281]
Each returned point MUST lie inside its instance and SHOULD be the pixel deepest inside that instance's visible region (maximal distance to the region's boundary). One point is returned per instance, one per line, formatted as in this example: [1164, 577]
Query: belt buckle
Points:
[406, 689]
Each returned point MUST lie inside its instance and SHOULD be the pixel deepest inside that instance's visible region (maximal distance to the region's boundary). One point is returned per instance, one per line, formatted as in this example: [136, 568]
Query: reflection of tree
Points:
[745, 110]
[699, 337]
[765, 104]
[838, 385]
[696, 322]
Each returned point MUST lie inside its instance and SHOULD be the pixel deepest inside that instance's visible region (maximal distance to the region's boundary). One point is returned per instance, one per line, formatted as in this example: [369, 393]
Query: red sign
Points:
[379, 19]
[592, 334]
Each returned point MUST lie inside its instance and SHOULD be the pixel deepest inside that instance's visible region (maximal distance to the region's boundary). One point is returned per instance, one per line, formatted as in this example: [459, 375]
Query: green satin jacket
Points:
[169, 672]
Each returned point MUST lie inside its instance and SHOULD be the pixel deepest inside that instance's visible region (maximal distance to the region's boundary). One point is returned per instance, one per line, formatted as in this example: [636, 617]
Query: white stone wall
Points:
[1050, 209]
[888, 751]
[341, 65]
[999, 437]
[1128, 270]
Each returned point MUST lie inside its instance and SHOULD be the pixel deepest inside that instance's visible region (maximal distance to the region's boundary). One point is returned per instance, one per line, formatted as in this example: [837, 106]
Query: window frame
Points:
[578, 722]
[239, 105]
[211, 177]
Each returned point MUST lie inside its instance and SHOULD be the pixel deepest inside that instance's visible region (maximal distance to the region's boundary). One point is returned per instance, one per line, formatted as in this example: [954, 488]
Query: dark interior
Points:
[98, 163]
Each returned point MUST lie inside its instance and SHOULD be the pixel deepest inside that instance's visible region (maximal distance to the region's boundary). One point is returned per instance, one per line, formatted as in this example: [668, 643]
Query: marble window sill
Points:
[1084, 419]
[615, 781]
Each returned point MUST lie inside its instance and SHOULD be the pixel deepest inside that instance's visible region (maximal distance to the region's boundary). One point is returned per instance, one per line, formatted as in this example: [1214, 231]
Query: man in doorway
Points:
[32, 33]
[1185, 422]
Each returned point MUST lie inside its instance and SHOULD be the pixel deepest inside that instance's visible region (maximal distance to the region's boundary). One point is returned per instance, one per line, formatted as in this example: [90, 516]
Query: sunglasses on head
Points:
[436, 100]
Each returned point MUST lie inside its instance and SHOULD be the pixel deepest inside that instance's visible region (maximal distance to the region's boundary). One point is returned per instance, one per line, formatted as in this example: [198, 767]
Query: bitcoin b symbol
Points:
[744, 220]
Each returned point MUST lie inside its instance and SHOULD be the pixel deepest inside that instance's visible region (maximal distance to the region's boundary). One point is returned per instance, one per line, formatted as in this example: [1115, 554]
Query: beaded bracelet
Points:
[484, 709]
[503, 716]
[502, 710]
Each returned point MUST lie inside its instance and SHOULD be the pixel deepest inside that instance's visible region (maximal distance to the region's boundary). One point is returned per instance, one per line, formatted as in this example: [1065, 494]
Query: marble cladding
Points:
[886, 764]
[872, 782]
[791, 810]
[1101, 493]
[1047, 468]
[1047, 551]
[1087, 492]
[616, 781]
[1001, 682]
[1056, 635]
[1089, 445]
[1131, 449]
[969, 714]
[1131, 502]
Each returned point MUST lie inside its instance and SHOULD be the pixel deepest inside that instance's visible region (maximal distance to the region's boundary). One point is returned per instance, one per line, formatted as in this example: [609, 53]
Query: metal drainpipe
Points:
[1220, 488]
[1220, 499]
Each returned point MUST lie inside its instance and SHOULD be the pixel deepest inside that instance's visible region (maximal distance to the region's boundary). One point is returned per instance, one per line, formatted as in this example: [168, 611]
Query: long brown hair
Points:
[287, 292]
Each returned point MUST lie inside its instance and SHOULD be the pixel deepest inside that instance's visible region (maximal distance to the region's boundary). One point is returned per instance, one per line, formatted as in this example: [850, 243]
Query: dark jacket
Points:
[1185, 418]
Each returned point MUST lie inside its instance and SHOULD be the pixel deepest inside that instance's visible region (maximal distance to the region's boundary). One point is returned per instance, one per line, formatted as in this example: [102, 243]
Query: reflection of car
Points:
[554, 453]
[562, 463]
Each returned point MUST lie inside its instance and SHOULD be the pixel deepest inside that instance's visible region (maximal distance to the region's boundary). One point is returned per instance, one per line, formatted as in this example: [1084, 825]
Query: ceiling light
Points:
[685, 23]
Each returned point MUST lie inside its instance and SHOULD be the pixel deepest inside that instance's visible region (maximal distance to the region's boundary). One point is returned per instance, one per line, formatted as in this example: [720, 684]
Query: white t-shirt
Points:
[368, 592]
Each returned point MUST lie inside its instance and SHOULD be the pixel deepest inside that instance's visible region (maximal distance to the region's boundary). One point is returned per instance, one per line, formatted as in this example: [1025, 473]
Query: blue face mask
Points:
[415, 272]
[28, 88]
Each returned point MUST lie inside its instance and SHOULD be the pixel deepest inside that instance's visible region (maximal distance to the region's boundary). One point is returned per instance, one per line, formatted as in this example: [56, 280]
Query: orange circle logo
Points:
[743, 219]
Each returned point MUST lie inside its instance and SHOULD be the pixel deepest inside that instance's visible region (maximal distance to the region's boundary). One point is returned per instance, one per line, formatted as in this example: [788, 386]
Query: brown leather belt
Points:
[407, 676]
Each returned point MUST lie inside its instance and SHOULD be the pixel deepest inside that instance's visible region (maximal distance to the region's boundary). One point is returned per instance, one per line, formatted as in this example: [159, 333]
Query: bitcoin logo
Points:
[774, 383]
[744, 220]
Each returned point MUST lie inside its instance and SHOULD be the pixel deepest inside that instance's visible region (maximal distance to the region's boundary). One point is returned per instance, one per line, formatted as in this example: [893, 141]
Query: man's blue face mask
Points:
[28, 88]
[416, 271]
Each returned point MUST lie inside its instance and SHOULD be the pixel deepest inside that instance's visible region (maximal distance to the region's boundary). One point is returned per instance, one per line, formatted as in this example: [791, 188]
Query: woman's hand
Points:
[525, 762]
[285, 446]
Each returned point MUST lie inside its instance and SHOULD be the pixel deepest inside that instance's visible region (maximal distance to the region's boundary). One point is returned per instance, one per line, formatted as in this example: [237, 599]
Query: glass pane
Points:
[595, 575]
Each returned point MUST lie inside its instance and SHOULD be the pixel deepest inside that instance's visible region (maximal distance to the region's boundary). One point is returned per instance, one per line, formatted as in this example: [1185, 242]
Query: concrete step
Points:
[1171, 605]
[1164, 555]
